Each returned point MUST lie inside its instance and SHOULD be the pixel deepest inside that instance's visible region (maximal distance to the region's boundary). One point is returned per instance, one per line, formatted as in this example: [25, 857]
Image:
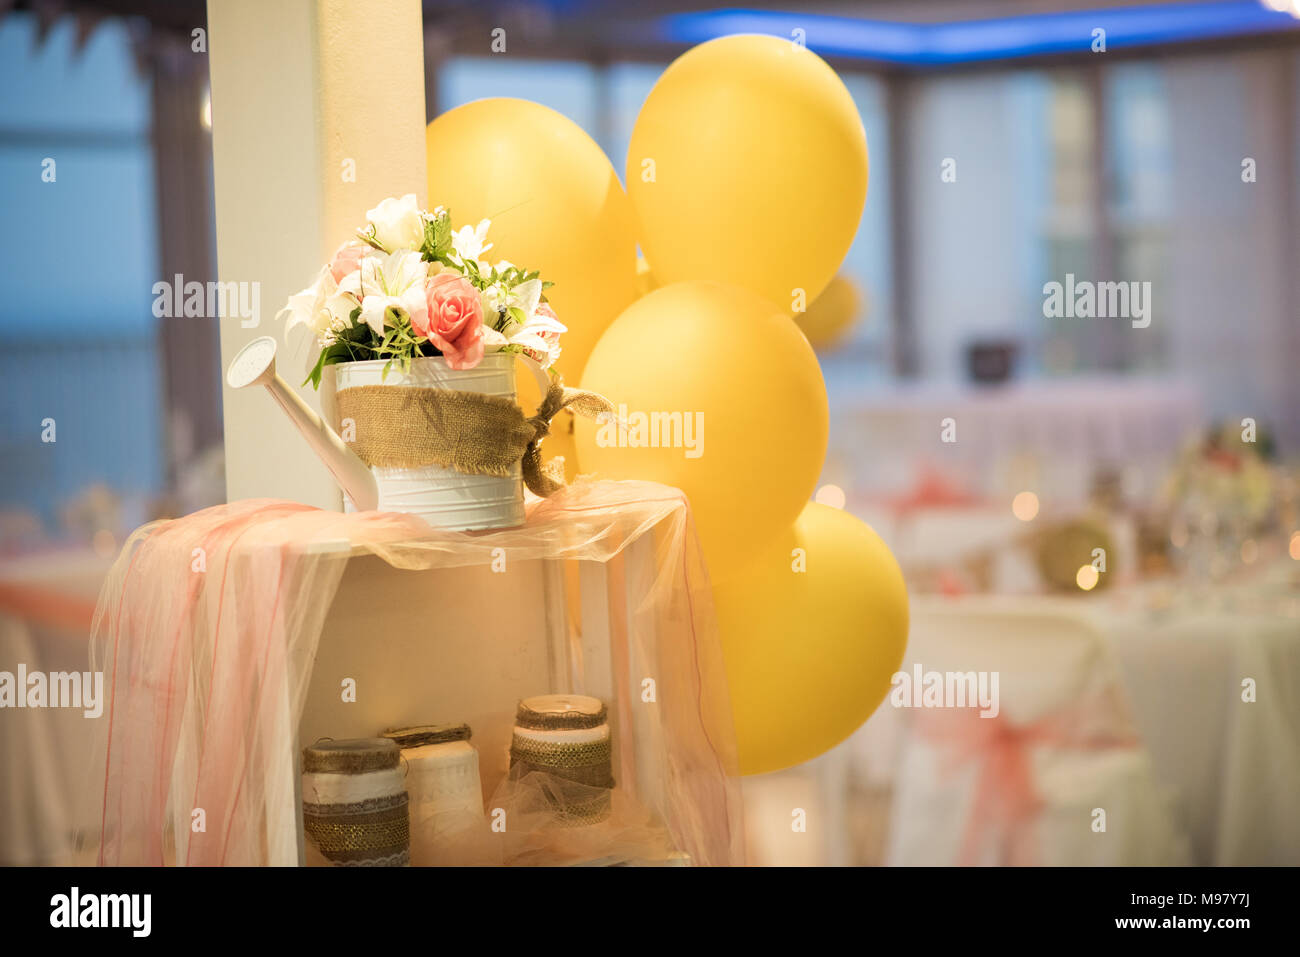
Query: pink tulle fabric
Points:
[208, 626]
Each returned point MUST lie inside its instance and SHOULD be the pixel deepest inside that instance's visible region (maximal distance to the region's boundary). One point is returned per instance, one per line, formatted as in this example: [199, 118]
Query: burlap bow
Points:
[467, 431]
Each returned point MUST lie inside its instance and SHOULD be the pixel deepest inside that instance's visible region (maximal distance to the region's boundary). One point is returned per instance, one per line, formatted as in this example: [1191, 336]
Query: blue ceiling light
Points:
[940, 44]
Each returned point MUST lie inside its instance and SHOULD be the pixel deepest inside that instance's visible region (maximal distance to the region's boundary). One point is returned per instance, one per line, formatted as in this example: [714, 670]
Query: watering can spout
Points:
[255, 365]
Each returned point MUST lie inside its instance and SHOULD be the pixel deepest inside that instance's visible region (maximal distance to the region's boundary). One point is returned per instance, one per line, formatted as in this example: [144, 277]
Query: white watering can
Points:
[442, 497]
[255, 365]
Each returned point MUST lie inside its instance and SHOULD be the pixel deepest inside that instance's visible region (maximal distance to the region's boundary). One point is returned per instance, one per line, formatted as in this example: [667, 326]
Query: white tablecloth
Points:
[44, 752]
[1234, 765]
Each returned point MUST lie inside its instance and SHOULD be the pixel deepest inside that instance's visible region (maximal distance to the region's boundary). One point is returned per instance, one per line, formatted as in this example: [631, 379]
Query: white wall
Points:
[298, 87]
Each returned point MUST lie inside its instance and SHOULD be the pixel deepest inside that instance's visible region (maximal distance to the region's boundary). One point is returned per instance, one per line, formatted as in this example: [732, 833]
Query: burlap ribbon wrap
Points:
[586, 764]
[397, 427]
[368, 831]
[374, 832]
[574, 720]
[426, 734]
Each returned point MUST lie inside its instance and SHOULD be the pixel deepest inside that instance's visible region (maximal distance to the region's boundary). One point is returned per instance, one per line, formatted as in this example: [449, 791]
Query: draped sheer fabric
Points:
[208, 626]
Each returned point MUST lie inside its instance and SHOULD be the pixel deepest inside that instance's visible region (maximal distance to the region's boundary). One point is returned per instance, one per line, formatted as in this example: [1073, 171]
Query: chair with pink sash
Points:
[1052, 774]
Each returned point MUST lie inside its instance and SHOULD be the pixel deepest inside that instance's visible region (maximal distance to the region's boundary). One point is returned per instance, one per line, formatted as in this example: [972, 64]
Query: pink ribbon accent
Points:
[932, 490]
[1006, 798]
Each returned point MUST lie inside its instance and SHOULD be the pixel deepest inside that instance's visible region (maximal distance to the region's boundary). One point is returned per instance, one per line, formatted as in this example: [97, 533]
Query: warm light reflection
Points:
[1025, 506]
[831, 495]
[1295, 546]
[1087, 577]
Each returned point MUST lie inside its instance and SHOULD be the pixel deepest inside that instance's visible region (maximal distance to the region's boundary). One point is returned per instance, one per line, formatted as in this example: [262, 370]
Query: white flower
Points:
[339, 307]
[541, 324]
[493, 341]
[398, 223]
[524, 297]
[537, 336]
[393, 281]
[307, 307]
[468, 241]
[540, 339]
[535, 347]
[491, 300]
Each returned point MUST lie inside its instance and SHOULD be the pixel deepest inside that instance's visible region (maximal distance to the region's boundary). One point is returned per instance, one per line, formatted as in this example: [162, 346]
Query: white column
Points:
[317, 114]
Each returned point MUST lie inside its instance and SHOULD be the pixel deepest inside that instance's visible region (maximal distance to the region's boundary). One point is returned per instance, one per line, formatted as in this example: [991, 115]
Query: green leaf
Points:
[314, 376]
[333, 354]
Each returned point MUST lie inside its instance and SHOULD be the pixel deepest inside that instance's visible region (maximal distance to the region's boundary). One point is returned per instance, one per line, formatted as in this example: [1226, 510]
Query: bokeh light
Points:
[831, 495]
[1025, 506]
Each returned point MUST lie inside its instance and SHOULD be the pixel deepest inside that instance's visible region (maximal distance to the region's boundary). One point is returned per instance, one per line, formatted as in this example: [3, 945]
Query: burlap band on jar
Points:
[526, 717]
[478, 434]
[373, 832]
[586, 763]
[421, 735]
[350, 756]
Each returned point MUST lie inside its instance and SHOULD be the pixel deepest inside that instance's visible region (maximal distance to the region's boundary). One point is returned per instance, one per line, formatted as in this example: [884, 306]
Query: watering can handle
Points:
[539, 374]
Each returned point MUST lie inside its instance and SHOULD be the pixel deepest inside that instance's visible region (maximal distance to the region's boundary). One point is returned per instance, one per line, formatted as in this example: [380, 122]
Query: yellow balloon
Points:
[832, 314]
[748, 164]
[810, 648]
[723, 398]
[555, 203]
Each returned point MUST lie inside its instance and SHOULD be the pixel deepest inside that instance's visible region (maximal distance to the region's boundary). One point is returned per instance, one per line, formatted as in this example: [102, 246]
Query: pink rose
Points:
[454, 322]
[347, 259]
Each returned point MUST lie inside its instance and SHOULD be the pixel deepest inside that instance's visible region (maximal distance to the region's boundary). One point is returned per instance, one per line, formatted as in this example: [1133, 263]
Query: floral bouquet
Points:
[1221, 473]
[1223, 498]
[409, 285]
[425, 334]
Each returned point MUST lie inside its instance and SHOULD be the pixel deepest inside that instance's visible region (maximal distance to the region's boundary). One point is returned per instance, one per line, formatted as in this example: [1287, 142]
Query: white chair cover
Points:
[1063, 711]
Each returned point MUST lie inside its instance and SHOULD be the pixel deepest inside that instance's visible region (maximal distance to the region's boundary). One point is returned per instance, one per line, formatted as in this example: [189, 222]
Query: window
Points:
[76, 185]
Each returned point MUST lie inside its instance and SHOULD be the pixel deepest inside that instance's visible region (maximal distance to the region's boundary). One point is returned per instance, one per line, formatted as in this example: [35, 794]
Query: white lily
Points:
[469, 241]
[540, 324]
[307, 307]
[525, 297]
[543, 348]
[531, 344]
[493, 341]
[537, 336]
[393, 281]
[340, 307]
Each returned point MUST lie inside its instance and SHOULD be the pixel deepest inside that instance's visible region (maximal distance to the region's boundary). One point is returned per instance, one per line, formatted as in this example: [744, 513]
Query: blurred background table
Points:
[47, 602]
[1231, 754]
[1231, 766]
